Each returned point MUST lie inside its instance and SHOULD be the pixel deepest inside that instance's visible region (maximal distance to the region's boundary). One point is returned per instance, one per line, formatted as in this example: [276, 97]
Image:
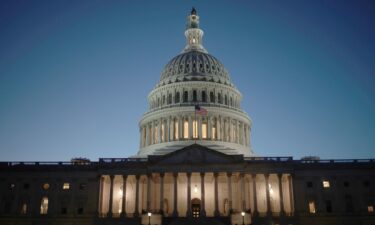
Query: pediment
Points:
[195, 154]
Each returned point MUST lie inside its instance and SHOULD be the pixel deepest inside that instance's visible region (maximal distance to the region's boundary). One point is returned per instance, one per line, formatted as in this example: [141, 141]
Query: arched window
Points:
[195, 129]
[204, 129]
[44, 205]
[177, 98]
[213, 129]
[212, 96]
[169, 99]
[226, 100]
[219, 98]
[186, 129]
[175, 129]
[158, 103]
[230, 101]
[163, 99]
[204, 98]
[186, 96]
[195, 96]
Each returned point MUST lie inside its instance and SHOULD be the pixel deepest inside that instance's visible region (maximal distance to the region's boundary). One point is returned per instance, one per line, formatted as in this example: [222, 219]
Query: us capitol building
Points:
[195, 165]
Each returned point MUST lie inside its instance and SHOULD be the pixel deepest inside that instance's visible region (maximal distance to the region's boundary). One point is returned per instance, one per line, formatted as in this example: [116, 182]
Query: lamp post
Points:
[243, 218]
[149, 218]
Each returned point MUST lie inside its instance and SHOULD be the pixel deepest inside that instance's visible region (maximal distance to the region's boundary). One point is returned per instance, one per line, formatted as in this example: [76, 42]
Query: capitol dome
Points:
[194, 66]
[194, 103]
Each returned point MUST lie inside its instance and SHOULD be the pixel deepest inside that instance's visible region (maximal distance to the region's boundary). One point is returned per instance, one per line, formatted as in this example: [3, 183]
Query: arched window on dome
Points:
[213, 129]
[231, 101]
[163, 99]
[175, 128]
[219, 98]
[186, 96]
[158, 104]
[212, 96]
[162, 131]
[204, 129]
[169, 99]
[177, 97]
[195, 129]
[226, 100]
[186, 129]
[195, 96]
[204, 97]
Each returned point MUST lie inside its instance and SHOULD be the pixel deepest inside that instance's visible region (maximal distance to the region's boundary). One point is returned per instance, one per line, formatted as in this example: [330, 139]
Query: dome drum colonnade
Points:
[194, 78]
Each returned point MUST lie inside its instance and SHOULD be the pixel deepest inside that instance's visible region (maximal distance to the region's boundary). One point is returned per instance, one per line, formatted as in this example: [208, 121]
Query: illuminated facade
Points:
[192, 168]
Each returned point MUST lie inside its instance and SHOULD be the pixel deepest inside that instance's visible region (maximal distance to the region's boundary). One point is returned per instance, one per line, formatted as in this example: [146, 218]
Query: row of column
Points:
[201, 96]
[190, 127]
[252, 207]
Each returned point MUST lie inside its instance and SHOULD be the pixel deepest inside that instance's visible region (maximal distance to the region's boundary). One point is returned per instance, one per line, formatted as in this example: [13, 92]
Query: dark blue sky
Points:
[74, 75]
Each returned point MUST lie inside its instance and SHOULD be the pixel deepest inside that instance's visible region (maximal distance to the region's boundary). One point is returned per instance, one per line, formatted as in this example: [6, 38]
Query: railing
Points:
[193, 104]
[121, 160]
[46, 163]
[326, 161]
[277, 159]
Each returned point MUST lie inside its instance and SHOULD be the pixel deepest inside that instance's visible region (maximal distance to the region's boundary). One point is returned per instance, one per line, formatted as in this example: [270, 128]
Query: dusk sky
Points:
[75, 75]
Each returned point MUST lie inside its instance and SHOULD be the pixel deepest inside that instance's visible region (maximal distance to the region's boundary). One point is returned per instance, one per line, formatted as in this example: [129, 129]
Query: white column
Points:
[123, 208]
[161, 193]
[100, 201]
[255, 210]
[160, 130]
[268, 194]
[199, 124]
[170, 130]
[282, 212]
[149, 177]
[216, 212]
[147, 142]
[175, 211]
[188, 213]
[291, 197]
[203, 200]
[111, 195]
[229, 176]
[136, 211]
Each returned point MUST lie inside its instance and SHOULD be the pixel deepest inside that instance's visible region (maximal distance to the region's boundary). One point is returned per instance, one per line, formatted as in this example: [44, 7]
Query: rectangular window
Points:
[195, 129]
[309, 184]
[312, 208]
[186, 129]
[370, 208]
[213, 132]
[204, 130]
[44, 206]
[326, 184]
[66, 186]
[176, 130]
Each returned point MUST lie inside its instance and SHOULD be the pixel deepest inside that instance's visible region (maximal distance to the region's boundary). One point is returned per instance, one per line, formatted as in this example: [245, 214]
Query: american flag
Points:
[200, 110]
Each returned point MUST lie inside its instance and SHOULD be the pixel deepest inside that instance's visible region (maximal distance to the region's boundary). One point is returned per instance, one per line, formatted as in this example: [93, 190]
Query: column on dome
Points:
[152, 141]
[180, 124]
[238, 132]
[170, 130]
[209, 127]
[161, 131]
[200, 124]
[221, 129]
[191, 127]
